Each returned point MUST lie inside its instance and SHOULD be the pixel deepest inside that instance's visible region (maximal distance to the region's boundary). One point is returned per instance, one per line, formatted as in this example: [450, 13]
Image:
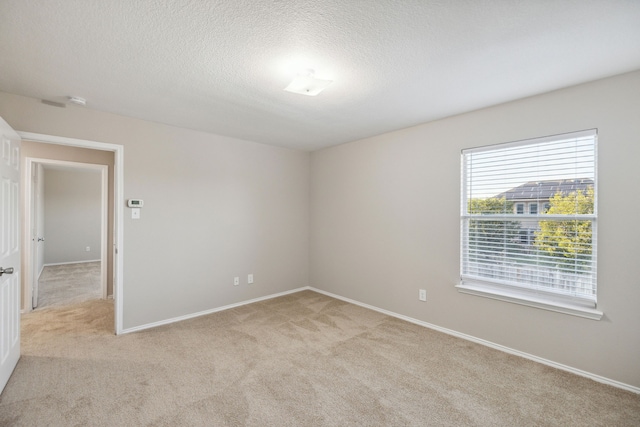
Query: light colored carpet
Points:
[299, 360]
[69, 284]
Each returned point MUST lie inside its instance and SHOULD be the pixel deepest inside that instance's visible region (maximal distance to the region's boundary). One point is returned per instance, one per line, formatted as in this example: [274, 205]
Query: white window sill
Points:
[529, 300]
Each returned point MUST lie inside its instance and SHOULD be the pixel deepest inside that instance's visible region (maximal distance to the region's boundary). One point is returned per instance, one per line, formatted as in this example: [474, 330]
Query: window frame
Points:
[525, 295]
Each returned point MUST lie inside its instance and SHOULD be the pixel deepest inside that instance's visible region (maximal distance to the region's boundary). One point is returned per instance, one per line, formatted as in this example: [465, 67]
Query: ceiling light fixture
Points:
[305, 83]
[77, 100]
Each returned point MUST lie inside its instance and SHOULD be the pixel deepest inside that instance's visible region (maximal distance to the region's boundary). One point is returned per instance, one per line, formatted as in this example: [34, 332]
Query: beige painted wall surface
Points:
[72, 154]
[385, 222]
[214, 208]
[73, 215]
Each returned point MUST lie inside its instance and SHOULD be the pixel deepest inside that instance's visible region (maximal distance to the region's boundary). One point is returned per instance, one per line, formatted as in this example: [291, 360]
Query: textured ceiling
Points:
[221, 66]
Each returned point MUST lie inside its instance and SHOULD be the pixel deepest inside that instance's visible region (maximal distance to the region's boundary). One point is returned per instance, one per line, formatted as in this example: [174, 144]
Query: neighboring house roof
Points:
[539, 190]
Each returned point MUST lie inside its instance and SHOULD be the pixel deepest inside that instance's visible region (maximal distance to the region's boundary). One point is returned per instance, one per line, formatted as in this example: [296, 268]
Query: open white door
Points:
[9, 252]
[37, 231]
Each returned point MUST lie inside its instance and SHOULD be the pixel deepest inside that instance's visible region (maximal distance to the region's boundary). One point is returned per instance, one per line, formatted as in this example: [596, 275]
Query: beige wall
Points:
[72, 154]
[384, 219]
[385, 222]
[73, 215]
[214, 208]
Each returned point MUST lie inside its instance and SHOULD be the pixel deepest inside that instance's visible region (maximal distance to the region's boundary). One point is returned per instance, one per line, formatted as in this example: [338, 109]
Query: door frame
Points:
[29, 219]
[118, 184]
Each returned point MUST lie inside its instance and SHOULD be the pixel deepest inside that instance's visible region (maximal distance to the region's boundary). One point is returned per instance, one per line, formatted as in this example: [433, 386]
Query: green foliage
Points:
[488, 238]
[567, 242]
[491, 205]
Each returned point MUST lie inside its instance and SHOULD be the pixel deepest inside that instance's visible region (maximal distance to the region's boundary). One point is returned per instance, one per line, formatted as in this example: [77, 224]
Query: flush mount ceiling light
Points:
[305, 83]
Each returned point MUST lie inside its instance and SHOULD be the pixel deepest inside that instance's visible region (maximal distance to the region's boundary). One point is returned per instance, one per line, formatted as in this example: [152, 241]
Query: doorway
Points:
[111, 240]
[70, 264]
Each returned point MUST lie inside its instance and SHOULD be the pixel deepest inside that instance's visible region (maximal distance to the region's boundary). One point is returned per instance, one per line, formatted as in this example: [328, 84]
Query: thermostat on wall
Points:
[135, 203]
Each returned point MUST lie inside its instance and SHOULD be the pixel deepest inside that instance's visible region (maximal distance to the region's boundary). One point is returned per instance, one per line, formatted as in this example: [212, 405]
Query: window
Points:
[546, 260]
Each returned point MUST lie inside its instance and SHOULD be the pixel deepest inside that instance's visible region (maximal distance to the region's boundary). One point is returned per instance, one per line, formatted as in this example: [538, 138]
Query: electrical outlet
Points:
[87, 249]
[250, 279]
[236, 281]
[422, 295]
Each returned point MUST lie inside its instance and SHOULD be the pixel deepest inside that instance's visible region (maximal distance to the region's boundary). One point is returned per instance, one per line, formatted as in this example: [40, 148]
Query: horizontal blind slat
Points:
[554, 251]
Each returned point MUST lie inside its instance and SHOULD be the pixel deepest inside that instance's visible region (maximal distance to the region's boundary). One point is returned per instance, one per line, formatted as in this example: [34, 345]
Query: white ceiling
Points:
[221, 66]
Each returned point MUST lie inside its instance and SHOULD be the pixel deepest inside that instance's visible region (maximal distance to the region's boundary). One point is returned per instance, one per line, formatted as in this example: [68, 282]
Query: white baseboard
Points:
[471, 338]
[213, 310]
[71, 262]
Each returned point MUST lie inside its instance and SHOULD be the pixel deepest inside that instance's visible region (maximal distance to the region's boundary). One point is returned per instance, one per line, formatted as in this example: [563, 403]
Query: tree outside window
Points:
[568, 243]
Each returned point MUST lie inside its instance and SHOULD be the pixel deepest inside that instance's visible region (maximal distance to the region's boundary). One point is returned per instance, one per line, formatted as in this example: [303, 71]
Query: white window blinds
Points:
[506, 244]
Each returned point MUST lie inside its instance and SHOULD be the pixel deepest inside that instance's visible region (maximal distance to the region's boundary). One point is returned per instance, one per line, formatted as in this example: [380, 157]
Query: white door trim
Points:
[118, 180]
[32, 162]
